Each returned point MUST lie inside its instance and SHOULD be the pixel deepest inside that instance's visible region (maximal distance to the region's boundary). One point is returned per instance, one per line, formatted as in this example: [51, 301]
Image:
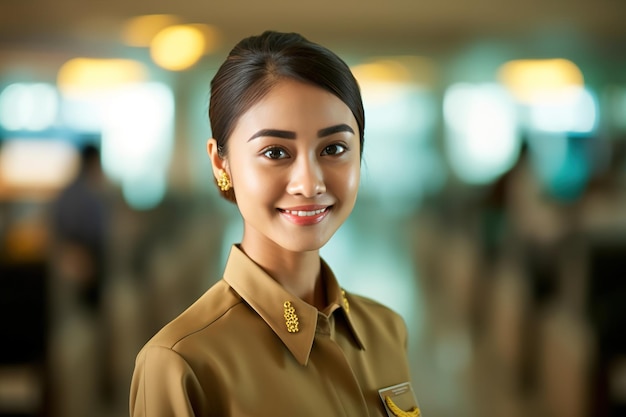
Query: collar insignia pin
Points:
[291, 318]
[346, 304]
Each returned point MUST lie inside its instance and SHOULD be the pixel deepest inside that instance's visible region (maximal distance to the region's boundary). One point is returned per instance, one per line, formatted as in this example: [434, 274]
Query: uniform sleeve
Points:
[163, 385]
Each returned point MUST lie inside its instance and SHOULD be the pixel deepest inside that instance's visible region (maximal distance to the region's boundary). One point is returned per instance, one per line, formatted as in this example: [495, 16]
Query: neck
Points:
[298, 272]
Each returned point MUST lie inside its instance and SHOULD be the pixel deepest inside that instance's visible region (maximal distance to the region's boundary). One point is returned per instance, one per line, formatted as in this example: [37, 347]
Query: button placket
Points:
[341, 377]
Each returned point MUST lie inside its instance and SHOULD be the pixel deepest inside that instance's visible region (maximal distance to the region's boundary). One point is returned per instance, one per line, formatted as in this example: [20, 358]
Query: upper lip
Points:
[306, 208]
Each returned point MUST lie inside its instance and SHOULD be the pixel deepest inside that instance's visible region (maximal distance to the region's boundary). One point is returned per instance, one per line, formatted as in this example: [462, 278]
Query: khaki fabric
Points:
[230, 354]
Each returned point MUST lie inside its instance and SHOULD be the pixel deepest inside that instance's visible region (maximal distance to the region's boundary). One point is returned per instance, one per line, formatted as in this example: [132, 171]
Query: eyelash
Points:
[344, 148]
[267, 151]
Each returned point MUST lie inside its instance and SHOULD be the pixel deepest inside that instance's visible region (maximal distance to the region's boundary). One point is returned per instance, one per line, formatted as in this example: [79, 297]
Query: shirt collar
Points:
[267, 297]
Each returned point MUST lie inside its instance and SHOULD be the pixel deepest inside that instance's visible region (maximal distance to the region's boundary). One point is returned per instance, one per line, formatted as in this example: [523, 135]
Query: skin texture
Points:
[296, 149]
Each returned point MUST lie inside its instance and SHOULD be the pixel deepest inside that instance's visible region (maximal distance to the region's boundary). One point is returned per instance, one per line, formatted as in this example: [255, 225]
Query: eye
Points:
[334, 149]
[275, 153]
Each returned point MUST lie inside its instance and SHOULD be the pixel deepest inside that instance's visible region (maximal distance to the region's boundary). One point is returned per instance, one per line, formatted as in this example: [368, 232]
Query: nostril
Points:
[309, 184]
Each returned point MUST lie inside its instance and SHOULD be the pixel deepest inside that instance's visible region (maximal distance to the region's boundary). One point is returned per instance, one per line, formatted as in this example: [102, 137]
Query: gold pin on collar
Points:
[346, 304]
[291, 318]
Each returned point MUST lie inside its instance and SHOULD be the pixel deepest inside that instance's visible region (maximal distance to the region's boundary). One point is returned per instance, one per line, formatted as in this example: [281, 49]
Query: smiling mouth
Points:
[303, 213]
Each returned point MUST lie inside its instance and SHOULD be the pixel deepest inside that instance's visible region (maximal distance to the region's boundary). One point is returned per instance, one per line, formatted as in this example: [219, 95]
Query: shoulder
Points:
[212, 307]
[372, 307]
[374, 317]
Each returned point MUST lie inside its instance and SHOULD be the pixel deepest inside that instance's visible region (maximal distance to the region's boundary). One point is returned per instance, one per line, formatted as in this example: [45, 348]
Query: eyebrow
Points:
[283, 134]
[327, 131]
[287, 134]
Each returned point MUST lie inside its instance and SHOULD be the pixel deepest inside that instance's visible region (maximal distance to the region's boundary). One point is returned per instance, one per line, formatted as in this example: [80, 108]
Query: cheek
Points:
[347, 181]
[355, 178]
[353, 185]
[255, 183]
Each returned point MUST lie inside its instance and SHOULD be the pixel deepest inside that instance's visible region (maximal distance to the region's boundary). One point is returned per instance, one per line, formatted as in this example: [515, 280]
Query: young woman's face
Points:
[294, 162]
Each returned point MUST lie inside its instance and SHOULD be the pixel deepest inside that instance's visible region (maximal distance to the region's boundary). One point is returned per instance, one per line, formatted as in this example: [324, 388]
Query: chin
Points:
[305, 245]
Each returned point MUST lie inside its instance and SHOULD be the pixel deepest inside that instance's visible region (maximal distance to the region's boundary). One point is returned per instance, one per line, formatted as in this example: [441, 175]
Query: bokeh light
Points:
[32, 107]
[177, 48]
[482, 139]
[40, 165]
[137, 141]
[86, 76]
[575, 111]
[533, 81]
[139, 31]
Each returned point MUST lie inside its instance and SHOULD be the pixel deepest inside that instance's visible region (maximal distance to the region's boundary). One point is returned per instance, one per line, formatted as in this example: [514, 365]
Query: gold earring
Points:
[224, 181]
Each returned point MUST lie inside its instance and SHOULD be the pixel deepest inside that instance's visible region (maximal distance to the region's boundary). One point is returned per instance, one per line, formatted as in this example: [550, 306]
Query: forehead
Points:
[294, 105]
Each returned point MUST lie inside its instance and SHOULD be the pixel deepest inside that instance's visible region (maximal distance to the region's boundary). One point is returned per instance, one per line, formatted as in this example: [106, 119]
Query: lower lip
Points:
[305, 220]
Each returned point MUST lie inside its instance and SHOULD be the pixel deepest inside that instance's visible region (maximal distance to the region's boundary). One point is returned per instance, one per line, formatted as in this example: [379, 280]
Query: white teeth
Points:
[301, 213]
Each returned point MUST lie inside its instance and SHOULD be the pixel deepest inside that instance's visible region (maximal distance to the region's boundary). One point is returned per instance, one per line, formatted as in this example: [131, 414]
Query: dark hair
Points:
[257, 63]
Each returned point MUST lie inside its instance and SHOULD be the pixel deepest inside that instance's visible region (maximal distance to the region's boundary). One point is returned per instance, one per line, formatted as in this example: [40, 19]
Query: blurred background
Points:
[492, 210]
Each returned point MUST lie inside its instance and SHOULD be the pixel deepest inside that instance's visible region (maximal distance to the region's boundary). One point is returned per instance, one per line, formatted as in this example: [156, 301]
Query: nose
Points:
[307, 178]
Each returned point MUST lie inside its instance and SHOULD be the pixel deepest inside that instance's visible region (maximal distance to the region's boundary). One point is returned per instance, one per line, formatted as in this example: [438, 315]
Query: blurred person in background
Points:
[80, 338]
[80, 225]
[278, 335]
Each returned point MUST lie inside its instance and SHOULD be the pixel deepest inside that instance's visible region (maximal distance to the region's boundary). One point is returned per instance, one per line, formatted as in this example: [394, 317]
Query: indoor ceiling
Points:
[395, 24]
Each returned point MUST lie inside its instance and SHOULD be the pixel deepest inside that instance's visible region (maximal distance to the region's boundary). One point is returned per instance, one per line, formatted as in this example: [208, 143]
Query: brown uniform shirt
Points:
[231, 354]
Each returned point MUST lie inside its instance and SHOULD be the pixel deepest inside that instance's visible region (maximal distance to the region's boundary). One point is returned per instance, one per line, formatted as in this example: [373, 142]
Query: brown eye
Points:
[275, 153]
[334, 149]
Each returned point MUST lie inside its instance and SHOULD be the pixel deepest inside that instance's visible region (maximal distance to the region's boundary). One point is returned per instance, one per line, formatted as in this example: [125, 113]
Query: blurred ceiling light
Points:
[37, 164]
[85, 76]
[402, 69]
[383, 70]
[532, 81]
[31, 107]
[140, 30]
[177, 48]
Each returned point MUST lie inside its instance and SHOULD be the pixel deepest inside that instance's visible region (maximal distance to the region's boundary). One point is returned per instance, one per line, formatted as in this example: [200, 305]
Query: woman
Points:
[277, 336]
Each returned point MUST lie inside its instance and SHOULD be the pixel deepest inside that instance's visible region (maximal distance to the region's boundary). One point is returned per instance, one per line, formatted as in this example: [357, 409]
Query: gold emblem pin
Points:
[397, 411]
[291, 318]
[399, 401]
[346, 304]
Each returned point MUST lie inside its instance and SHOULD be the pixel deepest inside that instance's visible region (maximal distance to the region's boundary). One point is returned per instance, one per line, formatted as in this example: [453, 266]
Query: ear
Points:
[219, 163]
